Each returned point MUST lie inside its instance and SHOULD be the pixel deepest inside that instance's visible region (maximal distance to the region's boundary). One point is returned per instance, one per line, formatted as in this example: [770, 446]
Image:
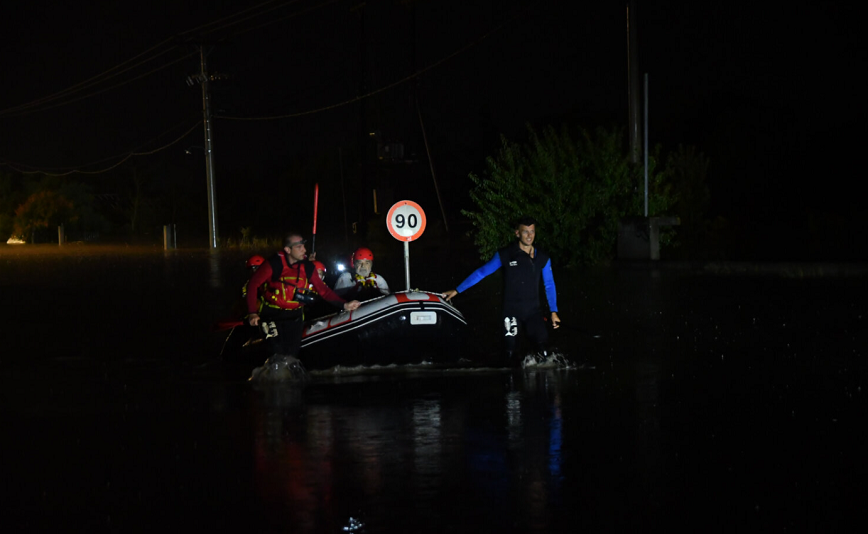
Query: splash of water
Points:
[547, 360]
[280, 368]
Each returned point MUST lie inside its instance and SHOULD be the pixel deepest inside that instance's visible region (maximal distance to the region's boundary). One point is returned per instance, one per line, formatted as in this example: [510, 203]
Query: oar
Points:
[227, 324]
[315, 203]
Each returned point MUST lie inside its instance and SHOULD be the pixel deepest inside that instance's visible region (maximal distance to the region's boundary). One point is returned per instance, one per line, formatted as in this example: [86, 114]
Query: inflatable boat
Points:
[406, 327]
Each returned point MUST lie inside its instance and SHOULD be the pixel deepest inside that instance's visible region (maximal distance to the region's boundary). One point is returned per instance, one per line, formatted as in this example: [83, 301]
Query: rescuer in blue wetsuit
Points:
[523, 265]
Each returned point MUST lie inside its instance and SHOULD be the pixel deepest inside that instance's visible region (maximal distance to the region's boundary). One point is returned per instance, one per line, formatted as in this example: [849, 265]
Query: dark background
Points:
[768, 93]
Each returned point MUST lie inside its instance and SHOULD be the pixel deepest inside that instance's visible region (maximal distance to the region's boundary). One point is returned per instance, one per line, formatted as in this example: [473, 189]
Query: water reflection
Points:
[214, 263]
[94, 397]
[398, 453]
[427, 445]
[648, 432]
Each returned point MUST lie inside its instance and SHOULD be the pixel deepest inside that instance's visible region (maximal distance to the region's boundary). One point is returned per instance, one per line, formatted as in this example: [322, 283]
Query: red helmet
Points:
[319, 266]
[255, 261]
[363, 254]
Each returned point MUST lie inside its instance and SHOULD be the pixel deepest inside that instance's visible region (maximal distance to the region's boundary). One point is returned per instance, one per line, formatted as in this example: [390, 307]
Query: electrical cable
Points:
[20, 110]
[273, 117]
[375, 91]
[109, 88]
[16, 111]
[124, 155]
[290, 2]
[281, 19]
[86, 83]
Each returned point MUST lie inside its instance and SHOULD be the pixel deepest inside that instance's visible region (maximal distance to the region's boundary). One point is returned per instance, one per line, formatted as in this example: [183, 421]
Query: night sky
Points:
[769, 94]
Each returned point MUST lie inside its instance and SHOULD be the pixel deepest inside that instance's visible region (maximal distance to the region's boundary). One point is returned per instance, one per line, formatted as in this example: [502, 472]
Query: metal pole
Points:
[407, 263]
[343, 196]
[209, 153]
[633, 81]
[431, 163]
[315, 205]
[646, 144]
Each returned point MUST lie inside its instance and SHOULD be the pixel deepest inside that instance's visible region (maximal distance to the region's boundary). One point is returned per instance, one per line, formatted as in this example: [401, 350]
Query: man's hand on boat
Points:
[449, 294]
[253, 318]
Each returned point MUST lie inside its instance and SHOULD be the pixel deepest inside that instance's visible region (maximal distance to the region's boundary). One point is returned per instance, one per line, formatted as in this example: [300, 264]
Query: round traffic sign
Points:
[406, 220]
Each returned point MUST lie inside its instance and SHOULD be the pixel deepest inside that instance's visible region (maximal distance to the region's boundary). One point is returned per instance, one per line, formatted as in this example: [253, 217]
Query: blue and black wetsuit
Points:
[521, 303]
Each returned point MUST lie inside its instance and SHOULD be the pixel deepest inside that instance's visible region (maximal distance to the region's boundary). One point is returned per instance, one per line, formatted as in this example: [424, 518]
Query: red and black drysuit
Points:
[276, 299]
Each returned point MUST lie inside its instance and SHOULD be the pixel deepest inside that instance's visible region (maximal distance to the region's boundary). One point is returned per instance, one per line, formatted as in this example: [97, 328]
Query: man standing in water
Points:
[523, 265]
[279, 305]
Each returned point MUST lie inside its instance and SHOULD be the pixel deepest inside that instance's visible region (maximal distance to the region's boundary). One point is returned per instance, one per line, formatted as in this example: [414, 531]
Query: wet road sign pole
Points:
[406, 222]
[407, 264]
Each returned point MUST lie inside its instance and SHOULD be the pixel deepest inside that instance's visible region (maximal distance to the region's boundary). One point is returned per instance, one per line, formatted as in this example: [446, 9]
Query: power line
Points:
[105, 89]
[93, 81]
[39, 104]
[227, 17]
[290, 2]
[286, 17]
[125, 156]
[86, 83]
[376, 91]
[45, 103]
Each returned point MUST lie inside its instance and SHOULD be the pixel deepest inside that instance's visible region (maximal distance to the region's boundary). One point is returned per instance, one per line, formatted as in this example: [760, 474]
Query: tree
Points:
[10, 198]
[43, 209]
[577, 189]
[53, 201]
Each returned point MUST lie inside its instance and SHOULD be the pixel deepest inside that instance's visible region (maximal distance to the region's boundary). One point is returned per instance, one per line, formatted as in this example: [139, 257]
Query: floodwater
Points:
[715, 398]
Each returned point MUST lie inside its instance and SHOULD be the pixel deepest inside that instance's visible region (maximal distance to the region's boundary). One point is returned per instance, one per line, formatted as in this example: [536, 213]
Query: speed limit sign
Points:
[406, 221]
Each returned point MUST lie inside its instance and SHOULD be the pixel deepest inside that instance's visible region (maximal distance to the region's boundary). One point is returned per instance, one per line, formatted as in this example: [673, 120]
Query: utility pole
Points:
[415, 95]
[209, 152]
[633, 81]
[363, 135]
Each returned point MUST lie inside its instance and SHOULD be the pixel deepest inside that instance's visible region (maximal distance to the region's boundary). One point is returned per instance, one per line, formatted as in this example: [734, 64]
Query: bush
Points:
[576, 189]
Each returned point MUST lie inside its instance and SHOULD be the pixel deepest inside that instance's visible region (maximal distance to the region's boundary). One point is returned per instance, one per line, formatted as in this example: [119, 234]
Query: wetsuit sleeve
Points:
[549, 284]
[262, 274]
[477, 275]
[326, 293]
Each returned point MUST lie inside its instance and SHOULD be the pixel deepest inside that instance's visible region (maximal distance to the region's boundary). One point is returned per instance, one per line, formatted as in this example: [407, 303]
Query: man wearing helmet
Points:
[362, 277]
[320, 269]
[523, 266]
[285, 278]
[318, 308]
[253, 263]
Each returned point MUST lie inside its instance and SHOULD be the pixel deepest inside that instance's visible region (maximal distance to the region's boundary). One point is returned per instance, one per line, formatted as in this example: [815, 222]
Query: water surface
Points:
[708, 399]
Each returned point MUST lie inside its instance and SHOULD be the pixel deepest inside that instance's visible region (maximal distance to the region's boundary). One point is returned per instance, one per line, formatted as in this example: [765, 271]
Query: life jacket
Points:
[521, 277]
[363, 282]
[280, 290]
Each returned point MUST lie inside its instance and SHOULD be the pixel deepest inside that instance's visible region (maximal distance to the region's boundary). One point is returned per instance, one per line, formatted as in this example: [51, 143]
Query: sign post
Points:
[406, 222]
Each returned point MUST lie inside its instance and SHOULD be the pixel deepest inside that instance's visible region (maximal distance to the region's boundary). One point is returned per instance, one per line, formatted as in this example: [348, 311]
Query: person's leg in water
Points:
[289, 342]
[283, 330]
[510, 336]
[538, 334]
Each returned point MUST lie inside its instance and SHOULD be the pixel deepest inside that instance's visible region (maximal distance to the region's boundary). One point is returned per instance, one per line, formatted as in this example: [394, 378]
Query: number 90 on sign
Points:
[406, 221]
